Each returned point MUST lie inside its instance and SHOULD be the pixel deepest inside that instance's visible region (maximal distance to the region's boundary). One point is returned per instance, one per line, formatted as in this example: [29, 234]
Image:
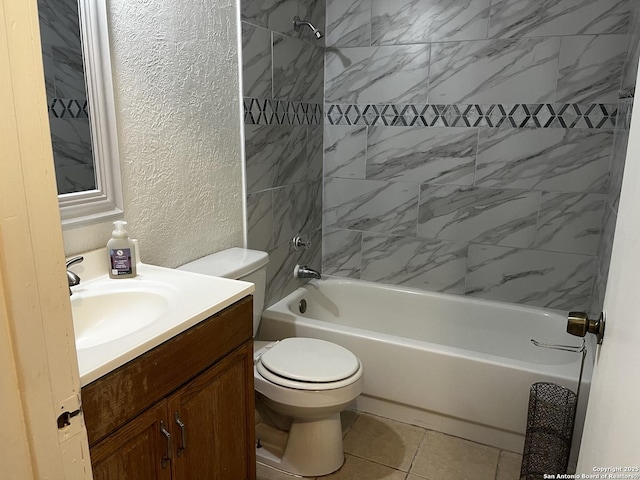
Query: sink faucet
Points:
[305, 272]
[73, 277]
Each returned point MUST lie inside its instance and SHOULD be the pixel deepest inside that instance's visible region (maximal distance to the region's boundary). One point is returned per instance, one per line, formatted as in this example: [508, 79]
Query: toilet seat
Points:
[308, 364]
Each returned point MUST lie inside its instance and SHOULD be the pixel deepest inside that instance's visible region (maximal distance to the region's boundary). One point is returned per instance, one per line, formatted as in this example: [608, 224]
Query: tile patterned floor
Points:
[377, 448]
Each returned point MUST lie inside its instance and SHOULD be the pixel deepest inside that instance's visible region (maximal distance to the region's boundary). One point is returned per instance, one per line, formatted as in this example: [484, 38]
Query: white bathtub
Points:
[458, 365]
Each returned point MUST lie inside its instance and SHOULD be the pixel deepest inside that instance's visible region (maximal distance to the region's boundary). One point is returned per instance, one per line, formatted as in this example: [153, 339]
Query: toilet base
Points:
[311, 448]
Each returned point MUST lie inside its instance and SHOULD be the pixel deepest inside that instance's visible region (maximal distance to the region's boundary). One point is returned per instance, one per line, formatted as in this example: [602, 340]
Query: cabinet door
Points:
[217, 411]
[137, 451]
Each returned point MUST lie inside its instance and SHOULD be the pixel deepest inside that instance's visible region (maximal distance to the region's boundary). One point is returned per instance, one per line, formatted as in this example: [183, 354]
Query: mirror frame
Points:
[105, 202]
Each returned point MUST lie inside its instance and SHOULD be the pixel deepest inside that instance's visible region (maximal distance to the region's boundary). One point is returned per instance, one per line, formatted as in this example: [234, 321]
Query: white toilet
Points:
[302, 384]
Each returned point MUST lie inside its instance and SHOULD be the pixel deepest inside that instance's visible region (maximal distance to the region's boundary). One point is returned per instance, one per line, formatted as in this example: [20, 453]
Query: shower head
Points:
[297, 24]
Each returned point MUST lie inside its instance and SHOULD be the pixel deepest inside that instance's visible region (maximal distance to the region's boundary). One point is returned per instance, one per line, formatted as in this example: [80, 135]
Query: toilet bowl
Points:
[301, 384]
[319, 380]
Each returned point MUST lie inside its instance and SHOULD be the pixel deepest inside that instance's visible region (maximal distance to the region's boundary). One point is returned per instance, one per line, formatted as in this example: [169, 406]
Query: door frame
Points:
[38, 360]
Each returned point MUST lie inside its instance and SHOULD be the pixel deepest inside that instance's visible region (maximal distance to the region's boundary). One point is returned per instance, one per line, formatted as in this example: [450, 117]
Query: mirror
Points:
[77, 64]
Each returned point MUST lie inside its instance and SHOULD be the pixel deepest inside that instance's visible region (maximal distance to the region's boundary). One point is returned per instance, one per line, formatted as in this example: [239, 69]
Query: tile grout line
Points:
[397, 469]
[420, 445]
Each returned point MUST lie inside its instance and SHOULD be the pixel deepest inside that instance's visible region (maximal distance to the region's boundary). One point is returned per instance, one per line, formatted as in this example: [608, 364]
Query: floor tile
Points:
[355, 468]
[509, 466]
[267, 473]
[347, 417]
[383, 441]
[442, 457]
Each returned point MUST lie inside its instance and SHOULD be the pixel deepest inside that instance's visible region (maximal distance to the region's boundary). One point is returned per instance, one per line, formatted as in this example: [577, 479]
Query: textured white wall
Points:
[178, 108]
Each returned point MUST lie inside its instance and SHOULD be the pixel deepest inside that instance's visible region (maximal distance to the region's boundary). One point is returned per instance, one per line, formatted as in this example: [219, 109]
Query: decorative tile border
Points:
[542, 115]
[279, 112]
[624, 113]
[68, 108]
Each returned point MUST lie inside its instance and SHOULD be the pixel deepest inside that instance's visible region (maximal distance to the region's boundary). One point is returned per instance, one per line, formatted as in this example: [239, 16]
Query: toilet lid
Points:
[310, 360]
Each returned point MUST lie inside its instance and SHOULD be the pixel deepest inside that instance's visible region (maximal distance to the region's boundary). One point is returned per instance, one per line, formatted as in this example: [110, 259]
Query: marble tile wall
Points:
[283, 78]
[467, 145]
[620, 141]
[631, 65]
[66, 95]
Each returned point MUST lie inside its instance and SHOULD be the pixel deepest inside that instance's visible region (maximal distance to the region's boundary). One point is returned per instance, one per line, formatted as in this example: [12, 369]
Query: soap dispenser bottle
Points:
[122, 255]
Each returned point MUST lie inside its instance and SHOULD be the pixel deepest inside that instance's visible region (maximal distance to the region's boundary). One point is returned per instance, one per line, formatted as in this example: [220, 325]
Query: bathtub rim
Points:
[280, 311]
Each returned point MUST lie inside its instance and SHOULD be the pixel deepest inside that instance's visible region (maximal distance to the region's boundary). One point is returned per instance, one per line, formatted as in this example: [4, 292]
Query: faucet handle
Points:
[301, 242]
[74, 260]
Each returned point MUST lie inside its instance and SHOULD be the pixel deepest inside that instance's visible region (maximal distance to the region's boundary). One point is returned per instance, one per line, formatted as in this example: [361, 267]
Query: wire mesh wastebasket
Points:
[550, 420]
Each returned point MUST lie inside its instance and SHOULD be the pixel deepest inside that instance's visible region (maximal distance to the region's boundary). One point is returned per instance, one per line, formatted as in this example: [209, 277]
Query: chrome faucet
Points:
[73, 277]
[302, 271]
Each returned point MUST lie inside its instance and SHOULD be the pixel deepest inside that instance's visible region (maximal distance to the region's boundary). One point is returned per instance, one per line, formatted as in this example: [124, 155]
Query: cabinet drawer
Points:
[119, 396]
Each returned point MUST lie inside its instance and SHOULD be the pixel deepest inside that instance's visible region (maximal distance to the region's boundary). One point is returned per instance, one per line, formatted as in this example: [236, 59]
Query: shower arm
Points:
[298, 23]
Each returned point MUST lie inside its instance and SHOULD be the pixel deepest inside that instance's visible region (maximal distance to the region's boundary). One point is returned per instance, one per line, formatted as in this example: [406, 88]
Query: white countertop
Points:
[198, 297]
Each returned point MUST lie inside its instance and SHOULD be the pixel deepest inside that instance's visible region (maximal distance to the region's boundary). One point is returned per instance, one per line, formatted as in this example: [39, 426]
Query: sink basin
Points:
[117, 320]
[112, 309]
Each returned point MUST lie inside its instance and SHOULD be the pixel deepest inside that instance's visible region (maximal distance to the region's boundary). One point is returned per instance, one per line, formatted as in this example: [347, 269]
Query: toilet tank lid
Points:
[233, 263]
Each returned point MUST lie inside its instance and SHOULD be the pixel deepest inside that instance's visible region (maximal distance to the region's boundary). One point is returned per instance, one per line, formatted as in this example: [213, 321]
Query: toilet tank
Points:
[237, 264]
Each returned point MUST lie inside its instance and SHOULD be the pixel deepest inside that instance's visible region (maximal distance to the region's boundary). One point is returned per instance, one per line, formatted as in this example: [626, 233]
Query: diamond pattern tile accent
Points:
[410, 115]
[68, 108]
[399, 121]
[352, 114]
[539, 115]
[246, 105]
[440, 119]
[253, 112]
[307, 111]
[58, 108]
[518, 116]
[529, 120]
[74, 108]
[567, 115]
[473, 116]
[453, 116]
[495, 115]
[334, 114]
[580, 122]
[266, 112]
[429, 115]
[389, 114]
[291, 113]
[370, 114]
[596, 116]
[614, 117]
[317, 114]
[279, 112]
[544, 115]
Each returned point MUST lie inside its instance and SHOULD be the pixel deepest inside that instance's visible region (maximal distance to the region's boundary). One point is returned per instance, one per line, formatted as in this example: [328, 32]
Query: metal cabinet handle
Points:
[183, 434]
[167, 457]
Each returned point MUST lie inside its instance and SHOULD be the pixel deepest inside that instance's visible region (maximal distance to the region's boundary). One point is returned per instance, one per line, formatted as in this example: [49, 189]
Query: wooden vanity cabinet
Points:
[143, 438]
[133, 450]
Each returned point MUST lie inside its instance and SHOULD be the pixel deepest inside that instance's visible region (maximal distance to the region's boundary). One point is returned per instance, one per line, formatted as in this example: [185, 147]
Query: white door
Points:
[612, 429]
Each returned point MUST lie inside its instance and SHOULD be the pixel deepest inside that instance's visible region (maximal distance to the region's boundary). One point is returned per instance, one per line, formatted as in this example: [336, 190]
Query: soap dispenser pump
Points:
[122, 255]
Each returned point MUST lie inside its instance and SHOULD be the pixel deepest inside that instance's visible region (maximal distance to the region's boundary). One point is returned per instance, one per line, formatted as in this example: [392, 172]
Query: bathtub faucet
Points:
[305, 272]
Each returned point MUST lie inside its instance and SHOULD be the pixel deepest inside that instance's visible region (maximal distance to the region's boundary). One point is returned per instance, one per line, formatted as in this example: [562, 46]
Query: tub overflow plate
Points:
[302, 305]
